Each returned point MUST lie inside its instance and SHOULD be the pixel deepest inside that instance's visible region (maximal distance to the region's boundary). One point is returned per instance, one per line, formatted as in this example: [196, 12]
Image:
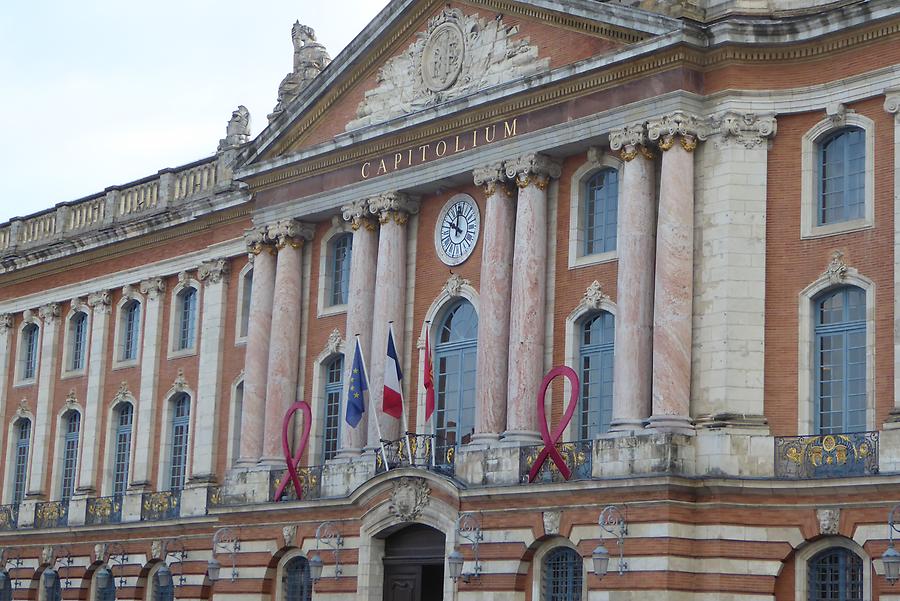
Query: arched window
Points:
[72, 422]
[842, 171]
[78, 337]
[50, 586]
[334, 386]
[131, 323]
[181, 417]
[562, 575]
[295, 581]
[108, 592]
[23, 442]
[29, 351]
[599, 212]
[339, 252]
[835, 574]
[6, 590]
[163, 592]
[187, 319]
[841, 361]
[124, 416]
[596, 352]
[455, 365]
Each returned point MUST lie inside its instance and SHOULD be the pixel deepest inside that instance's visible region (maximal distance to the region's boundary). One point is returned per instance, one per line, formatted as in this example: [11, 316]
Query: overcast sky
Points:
[102, 92]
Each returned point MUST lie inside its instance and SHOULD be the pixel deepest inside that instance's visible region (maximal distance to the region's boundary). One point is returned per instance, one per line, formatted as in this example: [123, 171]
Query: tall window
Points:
[23, 441]
[6, 590]
[295, 582]
[78, 335]
[596, 359]
[54, 591]
[841, 361]
[160, 592]
[835, 574]
[236, 423]
[842, 164]
[181, 417]
[246, 291]
[187, 318]
[30, 351]
[124, 418]
[131, 323]
[563, 574]
[333, 390]
[72, 421]
[339, 268]
[455, 365]
[107, 593]
[600, 208]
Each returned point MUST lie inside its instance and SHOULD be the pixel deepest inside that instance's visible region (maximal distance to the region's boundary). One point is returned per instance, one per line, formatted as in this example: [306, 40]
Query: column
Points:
[284, 340]
[43, 416]
[528, 311]
[6, 324]
[892, 106]
[677, 136]
[393, 210]
[360, 300]
[636, 248]
[494, 303]
[213, 275]
[256, 357]
[146, 443]
[99, 303]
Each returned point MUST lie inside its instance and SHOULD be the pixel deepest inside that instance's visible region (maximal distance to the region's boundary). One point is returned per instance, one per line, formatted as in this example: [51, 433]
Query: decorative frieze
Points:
[290, 232]
[688, 128]
[748, 129]
[492, 177]
[100, 301]
[393, 205]
[49, 312]
[534, 168]
[357, 213]
[214, 270]
[153, 288]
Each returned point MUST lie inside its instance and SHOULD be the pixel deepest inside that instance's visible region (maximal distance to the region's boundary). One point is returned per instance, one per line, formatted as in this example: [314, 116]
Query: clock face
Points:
[457, 229]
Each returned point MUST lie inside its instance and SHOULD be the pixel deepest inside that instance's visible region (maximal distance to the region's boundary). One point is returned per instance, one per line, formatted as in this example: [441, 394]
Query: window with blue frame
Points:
[455, 366]
[842, 170]
[295, 581]
[835, 574]
[187, 319]
[108, 592]
[72, 422]
[78, 334]
[840, 361]
[340, 250]
[246, 292]
[334, 386]
[23, 443]
[131, 322]
[596, 354]
[600, 203]
[53, 592]
[181, 418]
[124, 419]
[163, 592]
[562, 575]
[6, 590]
[30, 351]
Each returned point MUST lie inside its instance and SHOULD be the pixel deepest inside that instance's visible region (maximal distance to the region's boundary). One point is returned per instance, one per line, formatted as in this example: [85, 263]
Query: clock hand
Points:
[456, 227]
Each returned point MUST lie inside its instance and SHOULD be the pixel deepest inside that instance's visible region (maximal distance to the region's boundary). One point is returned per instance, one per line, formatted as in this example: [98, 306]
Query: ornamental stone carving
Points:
[492, 177]
[310, 59]
[237, 131]
[49, 312]
[453, 286]
[829, 520]
[153, 288]
[393, 205]
[99, 301]
[6, 321]
[48, 555]
[594, 296]
[892, 102]
[71, 400]
[180, 384]
[290, 232]
[687, 127]
[289, 533]
[333, 344]
[551, 521]
[748, 129]
[408, 498]
[357, 213]
[629, 140]
[128, 291]
[22, 410]
[214, 270]
[836, 272]
[184, 277]
[100, 552]
[455, 56]
[156, 549]
[123, 393]
[534, 168]
[256, 238]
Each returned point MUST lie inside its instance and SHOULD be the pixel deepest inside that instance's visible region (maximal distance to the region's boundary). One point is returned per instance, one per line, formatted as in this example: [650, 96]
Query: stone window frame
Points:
[29, 319]
[164, 467]
[244, 293]
[118, 336]
[809, 187]
[59, 449]
[537, 566]
[107, 480]
[69, 341]
[12, 439]
[290, 555]
[175, 300]
[338, 227]
[233, 450]
[810, 550]
[576, 209]
[319, 381]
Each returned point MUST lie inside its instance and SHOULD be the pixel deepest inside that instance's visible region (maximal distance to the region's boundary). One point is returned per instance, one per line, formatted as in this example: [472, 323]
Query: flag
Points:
[393, 398]
[429, 379]
[356, 401]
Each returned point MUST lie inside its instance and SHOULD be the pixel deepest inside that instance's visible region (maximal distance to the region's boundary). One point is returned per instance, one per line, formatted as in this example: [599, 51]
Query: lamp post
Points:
[612, 520]
[326, 534]
[468, 527]
[117, 557]
[164, 574]
[891, 558]
[225, 540]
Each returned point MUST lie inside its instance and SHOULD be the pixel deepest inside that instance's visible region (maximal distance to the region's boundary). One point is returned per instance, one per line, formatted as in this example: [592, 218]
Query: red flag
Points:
[429, 380]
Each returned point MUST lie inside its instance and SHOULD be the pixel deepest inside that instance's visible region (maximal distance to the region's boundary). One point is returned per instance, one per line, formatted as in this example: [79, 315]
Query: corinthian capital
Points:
[153, 287]
[256, 238]
[393, 205]
[290, 232]
[748, 129]
[49, 312]
[213, 270]
[630, 140]
[492, 177]
[534, 168]
[6, 321]
[99, 301]
[686, 126]
[357, 213]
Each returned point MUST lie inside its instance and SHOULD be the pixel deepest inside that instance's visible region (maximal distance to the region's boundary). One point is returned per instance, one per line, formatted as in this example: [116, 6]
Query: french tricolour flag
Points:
[393, 398]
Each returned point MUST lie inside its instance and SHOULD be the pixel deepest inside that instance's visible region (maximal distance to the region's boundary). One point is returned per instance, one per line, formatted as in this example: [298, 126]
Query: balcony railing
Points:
[424, 451]
[51, 514]
[310, 481]
[576, 455]
[103, 510]
[163, 505]
[9, 517]
[826, 455]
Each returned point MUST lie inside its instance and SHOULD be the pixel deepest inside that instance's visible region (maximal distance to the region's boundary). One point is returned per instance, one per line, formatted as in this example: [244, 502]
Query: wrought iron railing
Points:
[826, 455]
[51, 514]
[163, 505]
[9, 517]
[104, 510]
[576, 455]
[423, 451]
[310, 481]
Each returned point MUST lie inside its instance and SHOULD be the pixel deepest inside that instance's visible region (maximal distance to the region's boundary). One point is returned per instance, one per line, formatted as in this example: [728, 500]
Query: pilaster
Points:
[892, 106]
[99, 303]
[49, 315]
[6, 323]
[153, 290]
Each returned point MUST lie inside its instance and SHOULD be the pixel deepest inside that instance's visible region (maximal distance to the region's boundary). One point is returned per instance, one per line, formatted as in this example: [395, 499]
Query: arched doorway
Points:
[414, 563]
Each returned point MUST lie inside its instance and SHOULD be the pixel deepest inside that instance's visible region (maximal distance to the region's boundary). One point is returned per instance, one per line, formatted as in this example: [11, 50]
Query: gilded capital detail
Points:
[99, 301]
[535, 168]
[630, 141]
[492, 178]
[153, 287]
[256, 238]
[213, 270]
[393, 205]
[290, 232]
[688, 128]
[357, 213]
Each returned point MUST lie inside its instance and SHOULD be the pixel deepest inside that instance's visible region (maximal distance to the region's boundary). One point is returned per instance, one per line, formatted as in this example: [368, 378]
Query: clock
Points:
[457, 228]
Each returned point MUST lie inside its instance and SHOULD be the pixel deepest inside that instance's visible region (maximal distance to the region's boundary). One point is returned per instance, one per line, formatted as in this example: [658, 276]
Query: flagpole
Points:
[374, 414]
[405, 421]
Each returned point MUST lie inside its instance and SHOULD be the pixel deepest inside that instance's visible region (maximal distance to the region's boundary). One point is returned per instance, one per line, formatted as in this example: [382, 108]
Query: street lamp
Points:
[468, 527]
[891, 558]
[225, 540]
[455, 564]
[326, 534]
[164, 574]
[117, 558]
[612, 520]
[103, 577]
[315, 567]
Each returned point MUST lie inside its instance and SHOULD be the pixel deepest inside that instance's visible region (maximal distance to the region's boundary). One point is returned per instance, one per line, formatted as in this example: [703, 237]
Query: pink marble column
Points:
[493, 319]
[528, 311]
[393, 210]
[284, 340]
[672, 310]
[256, 358]
[360, 301]
[636, 248]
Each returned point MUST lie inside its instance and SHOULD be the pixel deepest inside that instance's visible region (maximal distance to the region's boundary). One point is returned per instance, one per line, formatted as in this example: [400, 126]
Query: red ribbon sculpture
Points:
[550, 449]
[293, 462]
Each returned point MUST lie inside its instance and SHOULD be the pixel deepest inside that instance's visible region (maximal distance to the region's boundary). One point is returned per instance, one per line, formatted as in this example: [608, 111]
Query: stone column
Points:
[284, 340]
[213, 275]
[43, 416]
[494, 303]
[677, 136]
[256, 358]
[360, 301]
[892, 106]
[91, 425]
[528, 310]
[636, 248]
[145, 441]
[6, 324]
[393, 210]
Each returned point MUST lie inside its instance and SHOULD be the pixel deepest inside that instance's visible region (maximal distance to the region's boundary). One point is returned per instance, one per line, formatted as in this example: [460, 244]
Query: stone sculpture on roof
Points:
[310, 59]
[237, 131]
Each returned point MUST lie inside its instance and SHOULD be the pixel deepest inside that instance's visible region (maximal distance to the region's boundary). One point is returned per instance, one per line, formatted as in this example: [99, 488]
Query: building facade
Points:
[692, 205]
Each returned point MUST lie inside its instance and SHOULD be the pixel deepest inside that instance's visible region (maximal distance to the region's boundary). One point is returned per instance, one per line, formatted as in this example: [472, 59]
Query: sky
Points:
[98, 93]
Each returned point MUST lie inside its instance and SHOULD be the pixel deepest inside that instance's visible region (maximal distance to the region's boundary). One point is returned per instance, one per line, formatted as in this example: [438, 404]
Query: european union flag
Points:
[356, 401]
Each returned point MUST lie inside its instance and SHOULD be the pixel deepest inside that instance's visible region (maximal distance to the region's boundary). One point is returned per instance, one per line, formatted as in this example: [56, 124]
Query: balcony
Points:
[421, 451]
[158, 506]
[51, 514]
[310, 482]
[577, 456]
[9, 517]
[826, 456]
[103, 510]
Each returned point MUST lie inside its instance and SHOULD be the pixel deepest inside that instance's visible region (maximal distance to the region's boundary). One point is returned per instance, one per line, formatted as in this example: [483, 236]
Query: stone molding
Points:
[291, 232]
[689, 128]
[748, 129]
[892, 102]
[6, 321]
[393, 205]
[153, 288]
[49, 313]
[213, 270]
[357, 213]
[534, 168]
[492, 178]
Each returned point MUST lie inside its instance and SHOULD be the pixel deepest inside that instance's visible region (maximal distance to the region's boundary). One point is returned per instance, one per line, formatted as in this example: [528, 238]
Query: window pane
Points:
[596, 352]
[562, 575]
[22, 446]
[455, 368]
[180, 422]
[332, 407]
[842, 176]
[70, 454]
[296, 584]
[339, 269]
[599, 212]
[123, 449]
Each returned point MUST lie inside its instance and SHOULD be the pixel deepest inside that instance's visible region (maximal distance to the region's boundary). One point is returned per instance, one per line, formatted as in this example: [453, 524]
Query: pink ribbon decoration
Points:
[293, 462]
[550, 449]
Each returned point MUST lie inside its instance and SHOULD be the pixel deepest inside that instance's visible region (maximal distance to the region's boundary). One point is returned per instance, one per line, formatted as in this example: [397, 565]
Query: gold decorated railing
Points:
[9, 517]
[104, 510]
[310, 477]
[424, 451]
[51, 514]
[576, 455]
[826, 455]
[163, 505]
